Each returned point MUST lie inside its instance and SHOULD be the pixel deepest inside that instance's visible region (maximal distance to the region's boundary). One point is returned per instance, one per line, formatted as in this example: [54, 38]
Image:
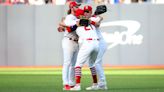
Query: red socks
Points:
[94, 76]
[78, 74]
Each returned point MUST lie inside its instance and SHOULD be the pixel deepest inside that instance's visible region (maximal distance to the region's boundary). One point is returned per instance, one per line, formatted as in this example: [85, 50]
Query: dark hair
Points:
[69, 11]
[48, 1]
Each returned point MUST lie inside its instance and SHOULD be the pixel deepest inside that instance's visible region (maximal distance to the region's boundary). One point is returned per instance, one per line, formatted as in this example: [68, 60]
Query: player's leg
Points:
[94, 74]
[102, 80]
[65, 69]
[68, 54]
[72, 74]
[72, 66]
[83, 54]
[99, 67]
[93, 71]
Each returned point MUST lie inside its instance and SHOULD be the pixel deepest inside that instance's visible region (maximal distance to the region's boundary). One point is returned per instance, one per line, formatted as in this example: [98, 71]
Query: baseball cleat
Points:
[102, 87]
[77, 87]
[66, 87]
[72, 86]
[93, 87]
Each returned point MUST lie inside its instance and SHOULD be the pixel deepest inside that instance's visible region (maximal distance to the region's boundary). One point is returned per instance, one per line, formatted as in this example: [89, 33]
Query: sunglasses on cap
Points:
[87, 11]
[76, 6]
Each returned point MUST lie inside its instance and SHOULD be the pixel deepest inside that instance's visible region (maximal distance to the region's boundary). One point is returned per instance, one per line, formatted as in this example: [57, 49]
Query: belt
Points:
[72, 39]
[93, 39]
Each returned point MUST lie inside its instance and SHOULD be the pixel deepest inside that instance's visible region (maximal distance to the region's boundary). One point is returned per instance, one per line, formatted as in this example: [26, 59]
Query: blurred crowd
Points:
[62, 2]
[119, 1]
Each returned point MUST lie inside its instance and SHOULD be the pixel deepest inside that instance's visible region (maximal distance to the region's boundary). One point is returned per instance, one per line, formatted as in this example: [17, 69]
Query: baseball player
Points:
[89, 46]
[102, 81]
[96, 21]
[70, 48]
[102, 48]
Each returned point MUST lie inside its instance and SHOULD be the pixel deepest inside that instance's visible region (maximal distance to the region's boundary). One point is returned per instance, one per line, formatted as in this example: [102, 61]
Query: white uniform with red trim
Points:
[88, 45]
[70, 50]
[102, 49]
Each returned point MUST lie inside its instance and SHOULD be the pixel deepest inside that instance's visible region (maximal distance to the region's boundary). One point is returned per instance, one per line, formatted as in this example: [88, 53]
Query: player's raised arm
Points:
[96, 20]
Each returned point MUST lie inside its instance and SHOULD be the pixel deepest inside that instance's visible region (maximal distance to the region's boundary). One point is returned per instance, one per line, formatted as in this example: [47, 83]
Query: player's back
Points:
[87, 32]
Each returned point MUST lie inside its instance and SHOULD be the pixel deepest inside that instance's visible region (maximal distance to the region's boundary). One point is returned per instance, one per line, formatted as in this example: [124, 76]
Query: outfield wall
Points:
[28, 35]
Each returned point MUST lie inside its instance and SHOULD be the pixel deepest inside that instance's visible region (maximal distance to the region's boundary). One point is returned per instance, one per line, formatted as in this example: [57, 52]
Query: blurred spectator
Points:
[26, 2]
[63, 2]
[19, 1]
[7, 2]
[158, 1]
[59, 2]
[82, 1]
[88, 1]
[107, 1]
[70, 0]
[134, 1]
[79, 1]
[139, 1]
[98, 1]
[36, 2]
[48, 1]
[126, 1]
[114, 1]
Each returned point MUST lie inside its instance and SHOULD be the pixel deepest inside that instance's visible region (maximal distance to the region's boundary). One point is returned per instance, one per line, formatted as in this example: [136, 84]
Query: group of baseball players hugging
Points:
[82, 42]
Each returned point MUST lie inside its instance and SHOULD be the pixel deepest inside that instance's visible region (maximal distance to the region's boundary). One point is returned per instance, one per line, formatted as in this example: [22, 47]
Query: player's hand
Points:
[60, 29]
[101, 18]
[62, 24]
[77, 23]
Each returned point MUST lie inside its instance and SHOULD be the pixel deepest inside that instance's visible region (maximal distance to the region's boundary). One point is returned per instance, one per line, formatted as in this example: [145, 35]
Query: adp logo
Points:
[125, 37]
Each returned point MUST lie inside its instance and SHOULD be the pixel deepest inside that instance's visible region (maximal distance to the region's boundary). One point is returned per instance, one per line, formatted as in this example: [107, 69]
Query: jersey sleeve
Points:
[71, 28]
[95, 19]
[70, 20]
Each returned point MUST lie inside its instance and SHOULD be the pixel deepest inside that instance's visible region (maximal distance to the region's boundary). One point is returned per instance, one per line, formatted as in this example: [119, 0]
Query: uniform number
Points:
[86, 28]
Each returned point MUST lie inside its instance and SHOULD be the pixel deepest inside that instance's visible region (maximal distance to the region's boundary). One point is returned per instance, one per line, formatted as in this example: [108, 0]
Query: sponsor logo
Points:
[127, 37]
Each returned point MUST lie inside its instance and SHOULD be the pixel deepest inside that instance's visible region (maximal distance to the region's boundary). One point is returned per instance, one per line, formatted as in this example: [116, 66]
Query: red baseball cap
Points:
[87, 8]
[73, 4]
[79, 12]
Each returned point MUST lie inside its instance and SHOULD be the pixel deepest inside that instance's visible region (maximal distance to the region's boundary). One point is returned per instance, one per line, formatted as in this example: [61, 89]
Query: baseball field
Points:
[50, 80]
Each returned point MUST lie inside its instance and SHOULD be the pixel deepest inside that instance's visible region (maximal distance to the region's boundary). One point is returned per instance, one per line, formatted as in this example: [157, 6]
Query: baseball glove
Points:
[84, 22]
[100, 9]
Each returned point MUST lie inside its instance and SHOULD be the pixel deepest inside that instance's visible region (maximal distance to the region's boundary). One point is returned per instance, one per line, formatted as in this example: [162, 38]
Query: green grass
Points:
[50, 80]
